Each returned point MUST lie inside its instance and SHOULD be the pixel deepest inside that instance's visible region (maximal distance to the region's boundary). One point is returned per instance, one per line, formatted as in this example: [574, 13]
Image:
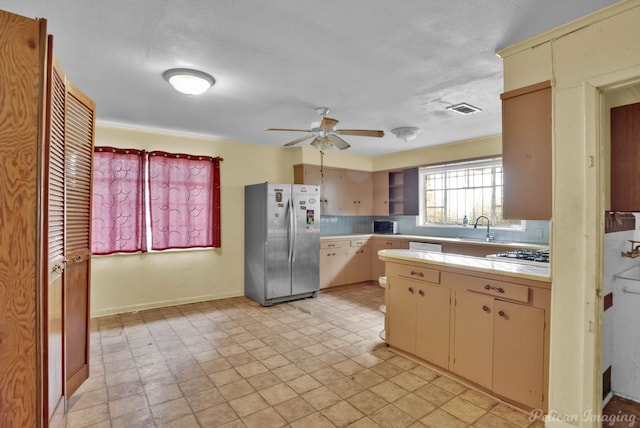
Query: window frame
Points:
[214, 227]
[467, 164]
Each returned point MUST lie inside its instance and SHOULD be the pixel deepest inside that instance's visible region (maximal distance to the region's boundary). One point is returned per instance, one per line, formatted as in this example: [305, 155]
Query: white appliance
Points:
[425, 246]
[281, 242]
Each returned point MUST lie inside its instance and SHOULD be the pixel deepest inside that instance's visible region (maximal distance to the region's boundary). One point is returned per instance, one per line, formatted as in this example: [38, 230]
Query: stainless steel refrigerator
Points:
[281, 242]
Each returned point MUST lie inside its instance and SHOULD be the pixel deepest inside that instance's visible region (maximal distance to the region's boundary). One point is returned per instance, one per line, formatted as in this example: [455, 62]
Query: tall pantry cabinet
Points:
[46, 145]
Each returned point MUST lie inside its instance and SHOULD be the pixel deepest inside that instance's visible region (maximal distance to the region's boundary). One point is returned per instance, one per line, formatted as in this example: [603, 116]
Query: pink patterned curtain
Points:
[118, 221]
[184, 193]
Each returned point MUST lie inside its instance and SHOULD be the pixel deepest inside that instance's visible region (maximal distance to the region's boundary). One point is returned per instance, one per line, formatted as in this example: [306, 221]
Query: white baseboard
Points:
[161, 304]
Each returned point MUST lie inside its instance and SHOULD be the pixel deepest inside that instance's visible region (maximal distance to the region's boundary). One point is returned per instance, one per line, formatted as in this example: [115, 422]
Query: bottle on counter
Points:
[465, 221]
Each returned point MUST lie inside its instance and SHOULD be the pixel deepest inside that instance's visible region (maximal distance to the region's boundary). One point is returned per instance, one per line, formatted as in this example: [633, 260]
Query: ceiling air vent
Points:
[464, 108]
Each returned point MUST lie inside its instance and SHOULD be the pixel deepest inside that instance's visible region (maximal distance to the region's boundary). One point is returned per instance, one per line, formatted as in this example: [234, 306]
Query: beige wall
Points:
[582, 59]
[128, 282]
[122, 283]
[468, 149]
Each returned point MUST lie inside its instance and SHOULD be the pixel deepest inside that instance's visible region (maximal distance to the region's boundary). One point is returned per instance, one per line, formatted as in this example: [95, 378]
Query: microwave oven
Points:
[386, 227]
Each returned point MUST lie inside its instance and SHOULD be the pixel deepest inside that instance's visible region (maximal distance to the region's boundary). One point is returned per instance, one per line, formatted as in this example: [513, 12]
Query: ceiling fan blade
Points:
[338, 142]
[360, 132]
[327, 123]
[287, 129]
[298, 140]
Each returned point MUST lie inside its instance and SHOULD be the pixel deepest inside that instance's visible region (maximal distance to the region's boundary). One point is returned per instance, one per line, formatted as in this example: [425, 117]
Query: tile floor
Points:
[232, 363]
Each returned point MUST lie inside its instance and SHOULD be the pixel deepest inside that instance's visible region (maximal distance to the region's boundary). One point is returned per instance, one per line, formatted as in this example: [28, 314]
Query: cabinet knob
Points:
[418, 274]
[411, 290]
[485, 308]
[501, 313]
[420, 292]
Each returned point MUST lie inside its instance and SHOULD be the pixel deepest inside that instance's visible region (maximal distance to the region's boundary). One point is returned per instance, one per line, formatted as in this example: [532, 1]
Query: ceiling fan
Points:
[325, 133]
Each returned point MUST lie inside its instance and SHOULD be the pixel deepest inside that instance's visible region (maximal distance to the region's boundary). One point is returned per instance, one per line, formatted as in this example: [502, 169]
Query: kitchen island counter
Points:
[484, 321]
[446, 261]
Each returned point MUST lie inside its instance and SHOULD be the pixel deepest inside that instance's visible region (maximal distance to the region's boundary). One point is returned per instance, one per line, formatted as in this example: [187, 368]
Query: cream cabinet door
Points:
[381, 193]
[432, 324]
[401, 311]
[377, 265]
[518, 360]
[473, 337]
[359, 267]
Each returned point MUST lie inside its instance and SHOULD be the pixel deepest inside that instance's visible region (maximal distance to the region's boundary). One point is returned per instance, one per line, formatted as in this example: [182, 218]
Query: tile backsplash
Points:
[537, 232]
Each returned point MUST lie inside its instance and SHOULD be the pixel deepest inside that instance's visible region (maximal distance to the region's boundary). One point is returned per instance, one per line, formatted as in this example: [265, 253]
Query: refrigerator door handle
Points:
[290, 229]
[294, 222]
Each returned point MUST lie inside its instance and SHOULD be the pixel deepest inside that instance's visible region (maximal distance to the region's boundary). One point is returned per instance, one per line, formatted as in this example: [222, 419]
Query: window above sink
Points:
[450, 192]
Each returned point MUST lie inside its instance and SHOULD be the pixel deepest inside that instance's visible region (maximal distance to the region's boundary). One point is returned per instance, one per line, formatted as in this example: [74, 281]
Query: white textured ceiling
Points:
[377, 64]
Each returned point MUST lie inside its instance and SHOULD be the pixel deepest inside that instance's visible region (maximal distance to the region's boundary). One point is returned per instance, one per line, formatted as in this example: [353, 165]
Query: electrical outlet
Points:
[539, 232]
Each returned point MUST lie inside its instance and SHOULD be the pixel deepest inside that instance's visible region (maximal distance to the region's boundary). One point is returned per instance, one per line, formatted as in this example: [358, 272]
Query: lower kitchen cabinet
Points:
[359, 261]
[334, 257]
[473, 337]
[518, 357]
[487, 328]
[418, 314]
[432, 333]
[499, 344]
[377, 244]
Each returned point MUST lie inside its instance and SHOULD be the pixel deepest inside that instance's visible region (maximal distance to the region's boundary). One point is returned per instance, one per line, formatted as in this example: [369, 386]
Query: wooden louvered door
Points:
[54, 188]
[79, 132]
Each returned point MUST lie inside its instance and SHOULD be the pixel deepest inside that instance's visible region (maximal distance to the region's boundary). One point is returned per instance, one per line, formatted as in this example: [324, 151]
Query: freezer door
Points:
[306, 244]
[277, 248]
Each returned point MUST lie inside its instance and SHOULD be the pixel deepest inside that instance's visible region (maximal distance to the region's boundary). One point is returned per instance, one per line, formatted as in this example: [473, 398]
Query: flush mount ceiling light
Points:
[406, 133]
[187, 81]
[464, 108]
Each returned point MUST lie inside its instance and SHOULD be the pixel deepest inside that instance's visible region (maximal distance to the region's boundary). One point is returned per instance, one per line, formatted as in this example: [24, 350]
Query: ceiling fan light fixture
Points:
[188, 81]
[406, 133]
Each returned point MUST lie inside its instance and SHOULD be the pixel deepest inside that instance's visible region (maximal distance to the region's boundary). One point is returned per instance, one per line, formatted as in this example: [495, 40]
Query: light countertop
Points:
[440, 239]
[478, 264]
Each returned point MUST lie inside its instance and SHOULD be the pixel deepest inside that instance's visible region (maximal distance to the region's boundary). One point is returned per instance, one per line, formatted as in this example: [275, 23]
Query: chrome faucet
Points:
[489, 236]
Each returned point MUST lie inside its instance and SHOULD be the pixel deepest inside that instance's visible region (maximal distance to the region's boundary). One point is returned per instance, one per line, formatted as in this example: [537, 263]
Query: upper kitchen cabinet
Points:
[356, 192]
[342, 191]
[381, 193]
[306, 174]
[625, 158]
[403, 192]
[526, 152]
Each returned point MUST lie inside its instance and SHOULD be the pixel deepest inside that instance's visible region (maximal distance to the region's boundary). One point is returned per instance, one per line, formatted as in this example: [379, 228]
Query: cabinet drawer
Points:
[332, 244]
[416, 273]
[391, 243]
[359, 242]
[506, 290]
